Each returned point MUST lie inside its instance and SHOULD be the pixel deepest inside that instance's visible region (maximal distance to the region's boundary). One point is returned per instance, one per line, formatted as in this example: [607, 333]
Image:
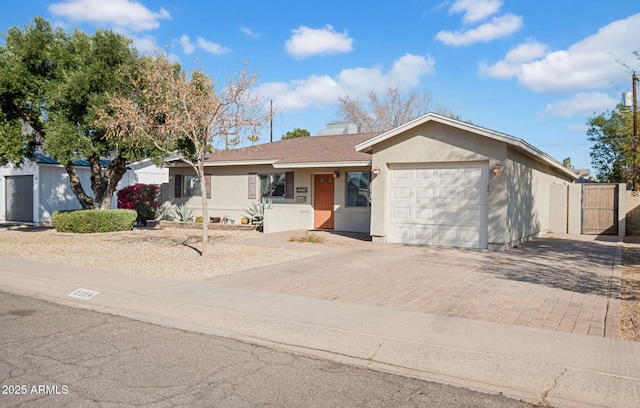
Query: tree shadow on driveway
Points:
[567, 264]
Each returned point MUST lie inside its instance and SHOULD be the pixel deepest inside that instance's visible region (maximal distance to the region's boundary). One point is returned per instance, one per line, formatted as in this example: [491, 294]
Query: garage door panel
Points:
[439, 205]
[448, 216]
[424, 174]
[472, 173]
[424, 193]
[401, 174]
[401, 214]
[449, 173]
[401, 193]
[424, 214]
[401, 233]
[474, 194]
[424, 235]
[448, 194]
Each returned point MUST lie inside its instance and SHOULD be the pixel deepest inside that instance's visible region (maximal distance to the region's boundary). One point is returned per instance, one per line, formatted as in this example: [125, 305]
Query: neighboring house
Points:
[432, 181]
[32, 192]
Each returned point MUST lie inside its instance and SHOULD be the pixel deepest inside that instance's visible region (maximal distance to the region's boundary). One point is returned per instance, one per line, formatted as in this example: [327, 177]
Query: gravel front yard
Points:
[630, 289]
[165, 253]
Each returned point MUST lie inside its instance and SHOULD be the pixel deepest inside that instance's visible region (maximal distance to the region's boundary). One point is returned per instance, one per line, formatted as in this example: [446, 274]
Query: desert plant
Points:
[309, 237]
[255, 212]
[184, 213]
[142, 199]
[89, 221]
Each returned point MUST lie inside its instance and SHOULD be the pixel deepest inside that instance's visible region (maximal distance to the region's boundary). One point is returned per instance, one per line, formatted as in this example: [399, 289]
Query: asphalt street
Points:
[52, 356]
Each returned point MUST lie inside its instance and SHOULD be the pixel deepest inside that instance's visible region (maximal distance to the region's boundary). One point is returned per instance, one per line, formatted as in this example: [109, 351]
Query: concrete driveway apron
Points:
[566, 283]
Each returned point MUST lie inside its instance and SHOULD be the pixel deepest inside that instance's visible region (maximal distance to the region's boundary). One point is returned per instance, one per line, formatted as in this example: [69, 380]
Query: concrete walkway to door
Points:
[565, 283]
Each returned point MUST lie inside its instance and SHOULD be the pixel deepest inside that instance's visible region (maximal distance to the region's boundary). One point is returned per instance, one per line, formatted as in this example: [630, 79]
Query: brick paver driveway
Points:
[562, 283]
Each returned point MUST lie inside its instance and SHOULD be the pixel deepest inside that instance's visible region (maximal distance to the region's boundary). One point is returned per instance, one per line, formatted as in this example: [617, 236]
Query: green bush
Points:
[88, 221]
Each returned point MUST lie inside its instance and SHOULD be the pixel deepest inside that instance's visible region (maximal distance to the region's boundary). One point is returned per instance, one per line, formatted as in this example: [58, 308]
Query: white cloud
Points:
[249, 32]
[581, 104]
[475, 10]
[320, 91]
[145, 44]
[211, 47]
[306, 42]
[187, 47]
[127, 14]
[512, 63]
[500, 26]
[588, 64]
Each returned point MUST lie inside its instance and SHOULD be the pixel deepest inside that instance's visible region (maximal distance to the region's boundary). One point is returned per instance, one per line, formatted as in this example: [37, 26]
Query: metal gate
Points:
[19, 198]
[600, 209]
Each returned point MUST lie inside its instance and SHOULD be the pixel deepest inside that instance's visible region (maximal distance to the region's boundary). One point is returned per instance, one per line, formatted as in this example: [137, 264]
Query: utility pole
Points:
[271, 122]
[634, 79]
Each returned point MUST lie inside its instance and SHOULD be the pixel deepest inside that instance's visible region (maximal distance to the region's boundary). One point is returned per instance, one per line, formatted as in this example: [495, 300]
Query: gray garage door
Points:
[19, 198]
[443, 204]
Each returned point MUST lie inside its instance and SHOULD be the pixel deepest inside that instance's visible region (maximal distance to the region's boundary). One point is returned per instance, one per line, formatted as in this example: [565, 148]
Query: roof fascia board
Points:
[226, 163]
[306, 165]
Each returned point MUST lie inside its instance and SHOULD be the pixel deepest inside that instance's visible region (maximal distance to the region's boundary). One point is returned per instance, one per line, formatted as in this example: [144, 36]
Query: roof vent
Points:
[340, 128]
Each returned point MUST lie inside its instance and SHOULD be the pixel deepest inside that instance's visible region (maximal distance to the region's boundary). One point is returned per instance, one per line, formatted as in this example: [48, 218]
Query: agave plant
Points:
[184, 212]
[255, 212]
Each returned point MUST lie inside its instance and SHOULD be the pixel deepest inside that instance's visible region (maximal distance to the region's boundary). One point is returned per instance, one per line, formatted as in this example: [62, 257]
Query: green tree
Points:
[612, 150]
[183, 116]
[566, 162]
[51, 84]
[297, 132]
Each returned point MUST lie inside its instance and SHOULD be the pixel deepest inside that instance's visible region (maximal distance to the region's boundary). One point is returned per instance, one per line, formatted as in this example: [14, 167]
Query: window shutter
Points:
[288, 184]
[178, 184]
[207, 184]
[253, 186]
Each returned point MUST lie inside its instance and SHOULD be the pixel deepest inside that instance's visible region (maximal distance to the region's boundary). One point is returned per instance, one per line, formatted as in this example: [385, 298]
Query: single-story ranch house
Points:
[432, 181]
[32, 192]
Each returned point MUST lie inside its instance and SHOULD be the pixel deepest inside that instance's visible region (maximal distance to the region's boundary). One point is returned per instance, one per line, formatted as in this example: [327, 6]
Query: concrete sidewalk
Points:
[538, 366]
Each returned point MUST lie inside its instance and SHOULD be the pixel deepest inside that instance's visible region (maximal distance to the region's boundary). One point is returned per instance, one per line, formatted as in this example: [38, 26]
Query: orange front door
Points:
[323, 201]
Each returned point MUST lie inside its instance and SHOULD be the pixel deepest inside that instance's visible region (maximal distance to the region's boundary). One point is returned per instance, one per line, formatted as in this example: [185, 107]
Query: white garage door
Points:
[439, 205]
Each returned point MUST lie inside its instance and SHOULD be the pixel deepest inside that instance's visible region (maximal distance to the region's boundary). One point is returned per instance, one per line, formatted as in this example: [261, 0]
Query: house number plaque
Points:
[302, 189]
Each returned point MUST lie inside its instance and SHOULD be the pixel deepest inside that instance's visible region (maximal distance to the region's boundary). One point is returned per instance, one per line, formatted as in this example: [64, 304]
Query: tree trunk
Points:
[108, 182]
[205, 209]
[103, 186]
[76, 186]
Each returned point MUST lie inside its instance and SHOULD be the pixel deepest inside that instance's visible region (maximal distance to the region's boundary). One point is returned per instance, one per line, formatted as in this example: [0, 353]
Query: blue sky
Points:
[532, 69]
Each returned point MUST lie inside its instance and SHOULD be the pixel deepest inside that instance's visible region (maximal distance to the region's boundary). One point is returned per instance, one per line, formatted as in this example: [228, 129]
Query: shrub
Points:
[89, 221]
[142, 199]
[184, 212]
[199, 218]
[309, 237]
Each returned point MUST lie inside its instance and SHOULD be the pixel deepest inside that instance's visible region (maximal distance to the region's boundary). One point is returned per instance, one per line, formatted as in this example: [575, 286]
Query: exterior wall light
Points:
[376, 170]
[496, 169]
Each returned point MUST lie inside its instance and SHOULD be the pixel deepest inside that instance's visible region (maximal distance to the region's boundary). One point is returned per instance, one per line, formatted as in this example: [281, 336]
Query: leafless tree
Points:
[183, 116]
[387, 111]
